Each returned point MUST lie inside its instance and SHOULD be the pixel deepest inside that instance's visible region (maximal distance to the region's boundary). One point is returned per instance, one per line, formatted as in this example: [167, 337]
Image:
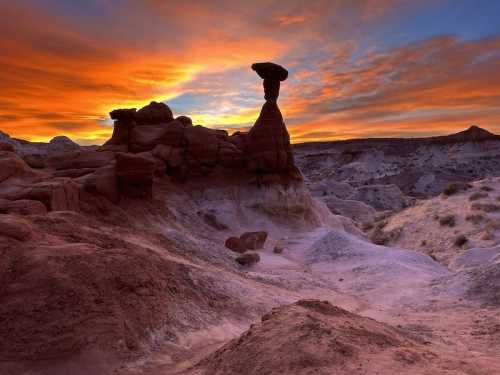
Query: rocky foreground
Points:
[179, 249]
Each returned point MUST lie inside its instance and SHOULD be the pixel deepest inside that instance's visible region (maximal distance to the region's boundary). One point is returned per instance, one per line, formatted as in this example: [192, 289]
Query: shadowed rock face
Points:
[197, 150]
[268, 144]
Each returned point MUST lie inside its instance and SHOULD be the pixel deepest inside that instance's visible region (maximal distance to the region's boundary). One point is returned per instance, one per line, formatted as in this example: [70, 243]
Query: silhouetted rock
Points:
[272, 74]
[174, 134]
[145, 137]
[202, 144]
[248, 259]
[135, 175]
[268, 142]
[269, 70]
[185, 120]
[253, 240]
[154, 113]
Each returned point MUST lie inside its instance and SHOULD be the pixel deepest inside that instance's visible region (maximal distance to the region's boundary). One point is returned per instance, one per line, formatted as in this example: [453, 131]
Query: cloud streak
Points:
[63, 68]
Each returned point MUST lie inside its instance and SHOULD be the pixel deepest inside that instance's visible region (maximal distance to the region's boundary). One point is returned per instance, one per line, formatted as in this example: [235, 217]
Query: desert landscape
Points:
[178, 249]
[224, 187]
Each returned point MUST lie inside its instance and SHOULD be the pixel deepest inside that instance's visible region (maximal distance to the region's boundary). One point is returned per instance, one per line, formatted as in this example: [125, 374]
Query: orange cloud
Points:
[62, 74]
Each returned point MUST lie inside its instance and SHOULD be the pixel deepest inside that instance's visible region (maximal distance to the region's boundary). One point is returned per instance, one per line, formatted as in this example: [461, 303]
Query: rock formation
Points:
[186, 150]
[268, 143]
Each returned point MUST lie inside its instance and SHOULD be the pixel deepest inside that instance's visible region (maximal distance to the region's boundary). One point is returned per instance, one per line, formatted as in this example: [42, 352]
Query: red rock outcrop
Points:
[195, 150]
[135, 175]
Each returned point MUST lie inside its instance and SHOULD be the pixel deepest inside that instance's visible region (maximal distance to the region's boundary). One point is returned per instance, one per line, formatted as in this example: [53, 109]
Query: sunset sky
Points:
[358, 68]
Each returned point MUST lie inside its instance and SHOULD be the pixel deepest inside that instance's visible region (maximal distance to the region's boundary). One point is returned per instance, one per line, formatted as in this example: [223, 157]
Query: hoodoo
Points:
[268, 145]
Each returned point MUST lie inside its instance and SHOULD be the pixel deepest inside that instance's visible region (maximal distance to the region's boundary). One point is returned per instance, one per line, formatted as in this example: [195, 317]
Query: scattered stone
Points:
[248, 259]
[278, 249]
[253, 240]
[235, 244]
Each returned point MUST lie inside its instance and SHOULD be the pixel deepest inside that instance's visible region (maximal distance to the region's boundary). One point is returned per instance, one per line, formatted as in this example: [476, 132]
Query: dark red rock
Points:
[135, 175]
[172, 156]
[36, 161]
[58, 194]
[123, 115]
[235, 244]
[269, 70]
[272, 74]
[253, 240]
[230, 156]
[146, 137]
[22, 207]
[174, 134]
[248, 259]
[186, 121]
[268, 142]
[80, 159]
[15, 227]
[202, 144]
[103, 182]
[4, 146]
[154, 113]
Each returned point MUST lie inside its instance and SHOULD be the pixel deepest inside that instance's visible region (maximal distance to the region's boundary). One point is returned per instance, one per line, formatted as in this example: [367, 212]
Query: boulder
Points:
[123, 115]
[135, 175]
[248, 259]
[11, 165]
[22, 207]
[269, 70]
[146, 137]
[186, 121]
[174, 134]
[229, 155]
[278, 249]
[80, 159]
[202, 144]
[15, 227]
[4, 146]
[154, 113]
[172, 156]
[235, 244]
[253, 240]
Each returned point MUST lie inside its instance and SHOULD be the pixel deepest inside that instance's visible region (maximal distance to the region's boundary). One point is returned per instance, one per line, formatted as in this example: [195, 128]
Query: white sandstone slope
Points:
[448, 225]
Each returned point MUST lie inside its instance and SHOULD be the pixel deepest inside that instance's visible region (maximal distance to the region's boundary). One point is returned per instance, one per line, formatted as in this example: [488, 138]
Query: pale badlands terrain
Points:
[381, 256]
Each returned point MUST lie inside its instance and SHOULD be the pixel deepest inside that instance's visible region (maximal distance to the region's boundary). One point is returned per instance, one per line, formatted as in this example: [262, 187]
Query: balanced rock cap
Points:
[269, 70]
